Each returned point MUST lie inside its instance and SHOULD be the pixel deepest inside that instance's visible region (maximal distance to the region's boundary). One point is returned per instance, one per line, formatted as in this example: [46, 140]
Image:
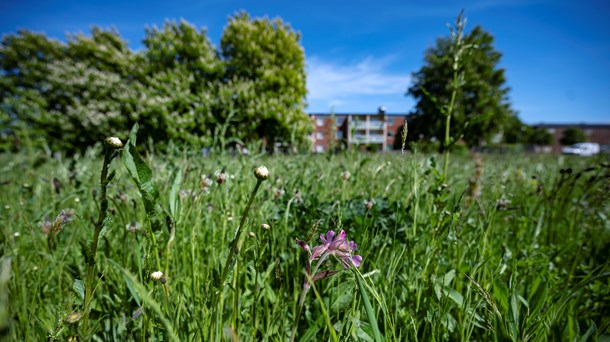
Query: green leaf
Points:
[367, 306]
[174, 198]
[106, 226]
[141, 174]
[79, 288]
[454, 295]
[132, 289]
[149, 301]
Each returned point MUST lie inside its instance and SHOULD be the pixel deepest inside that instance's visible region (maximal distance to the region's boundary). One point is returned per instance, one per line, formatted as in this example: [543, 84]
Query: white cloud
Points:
[335, 83]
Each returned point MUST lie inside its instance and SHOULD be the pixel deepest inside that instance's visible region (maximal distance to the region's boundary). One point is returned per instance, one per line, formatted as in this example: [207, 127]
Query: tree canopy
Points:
[482, 104]
[572, 135]
[179, 87]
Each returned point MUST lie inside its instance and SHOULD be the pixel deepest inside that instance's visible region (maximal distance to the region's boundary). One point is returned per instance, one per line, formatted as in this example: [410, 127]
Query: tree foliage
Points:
[180, 87]
[539, 136]
[572, 135]
[481, 106]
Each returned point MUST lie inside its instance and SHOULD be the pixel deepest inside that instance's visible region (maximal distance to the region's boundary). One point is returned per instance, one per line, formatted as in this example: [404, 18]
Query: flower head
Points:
[114, 142]
[261, 173]
[338, 246]
[158, 276]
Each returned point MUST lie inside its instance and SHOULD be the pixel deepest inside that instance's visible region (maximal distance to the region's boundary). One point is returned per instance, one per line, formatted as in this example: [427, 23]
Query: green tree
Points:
[266, 58]
[180, 87]
[515, 131]
[572, 135]
[540, 136]
[71, 94]
[481, 106]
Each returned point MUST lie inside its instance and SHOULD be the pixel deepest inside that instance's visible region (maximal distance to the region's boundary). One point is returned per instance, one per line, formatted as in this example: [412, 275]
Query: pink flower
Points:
[338, 246]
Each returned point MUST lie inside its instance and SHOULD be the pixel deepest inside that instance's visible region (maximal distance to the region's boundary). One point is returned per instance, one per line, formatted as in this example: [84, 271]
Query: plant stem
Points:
[109, 154]
[233, 250]
[298, 313]
[234, 244]
[454, 86]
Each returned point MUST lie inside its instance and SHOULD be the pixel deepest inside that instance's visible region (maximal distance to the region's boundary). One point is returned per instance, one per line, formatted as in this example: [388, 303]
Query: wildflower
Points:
[252, 234]
[339, 247]
[114, 142]
[185, 194]
[265, 226]
[261, 173]
[64, 217]
[133, 227]
[221, 176]
[345, 175]
[277, 193]
[368, 204]
[158, 276]
[206, 183]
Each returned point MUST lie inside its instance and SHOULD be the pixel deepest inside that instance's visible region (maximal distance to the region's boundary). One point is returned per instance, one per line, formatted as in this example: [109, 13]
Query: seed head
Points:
[114, 142]
[73, 318]
[252, 234]
[261, 173]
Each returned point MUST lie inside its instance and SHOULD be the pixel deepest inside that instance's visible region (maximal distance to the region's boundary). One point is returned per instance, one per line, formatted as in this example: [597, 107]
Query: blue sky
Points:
[360, 54]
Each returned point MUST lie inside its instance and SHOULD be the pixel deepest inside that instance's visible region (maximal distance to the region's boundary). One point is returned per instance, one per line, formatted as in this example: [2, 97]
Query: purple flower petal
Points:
[329, 237]
[318, 251]
[356, 260]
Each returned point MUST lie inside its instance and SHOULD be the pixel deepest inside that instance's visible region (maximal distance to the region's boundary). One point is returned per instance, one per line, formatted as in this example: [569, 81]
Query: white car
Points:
[582, 149]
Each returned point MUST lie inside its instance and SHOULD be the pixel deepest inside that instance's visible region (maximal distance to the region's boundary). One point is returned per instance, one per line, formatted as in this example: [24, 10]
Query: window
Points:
[390, 121]
[319, 135]
[320, 122]
[339, 135]
[319, 148]
[340, 120]
[390, 134]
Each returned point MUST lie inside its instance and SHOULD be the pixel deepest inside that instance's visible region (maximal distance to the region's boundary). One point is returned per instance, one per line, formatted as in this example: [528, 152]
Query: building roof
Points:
[568, 125]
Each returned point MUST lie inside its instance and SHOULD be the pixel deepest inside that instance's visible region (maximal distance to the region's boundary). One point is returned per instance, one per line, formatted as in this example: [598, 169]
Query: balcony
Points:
[371, 139]
[372, 125]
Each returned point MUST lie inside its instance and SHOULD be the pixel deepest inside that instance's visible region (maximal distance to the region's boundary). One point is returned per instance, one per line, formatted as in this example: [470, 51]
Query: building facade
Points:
[597, 133]
[375, 132]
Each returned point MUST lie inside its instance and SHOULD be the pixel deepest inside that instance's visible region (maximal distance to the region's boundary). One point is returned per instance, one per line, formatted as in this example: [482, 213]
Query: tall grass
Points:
[526, 260]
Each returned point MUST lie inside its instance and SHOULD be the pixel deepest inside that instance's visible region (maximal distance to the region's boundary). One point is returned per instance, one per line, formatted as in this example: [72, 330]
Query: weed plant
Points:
[524, 259]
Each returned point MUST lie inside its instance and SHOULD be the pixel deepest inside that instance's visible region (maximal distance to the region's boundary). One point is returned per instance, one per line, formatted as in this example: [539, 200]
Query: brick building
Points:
[598, 133]
[371, 131]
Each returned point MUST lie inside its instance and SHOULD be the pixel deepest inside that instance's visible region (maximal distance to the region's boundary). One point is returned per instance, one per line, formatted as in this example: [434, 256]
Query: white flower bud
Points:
[265, 226]
[261, 173]
[156, 276]
[114, 142]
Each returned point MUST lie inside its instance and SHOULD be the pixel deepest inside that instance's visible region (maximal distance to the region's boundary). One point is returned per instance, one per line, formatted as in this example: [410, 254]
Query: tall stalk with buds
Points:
[261, 173]
[111, 150]
[457, 33]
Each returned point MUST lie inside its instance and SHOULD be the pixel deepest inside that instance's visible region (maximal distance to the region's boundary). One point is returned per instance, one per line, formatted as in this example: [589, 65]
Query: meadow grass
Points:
[505, 248]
